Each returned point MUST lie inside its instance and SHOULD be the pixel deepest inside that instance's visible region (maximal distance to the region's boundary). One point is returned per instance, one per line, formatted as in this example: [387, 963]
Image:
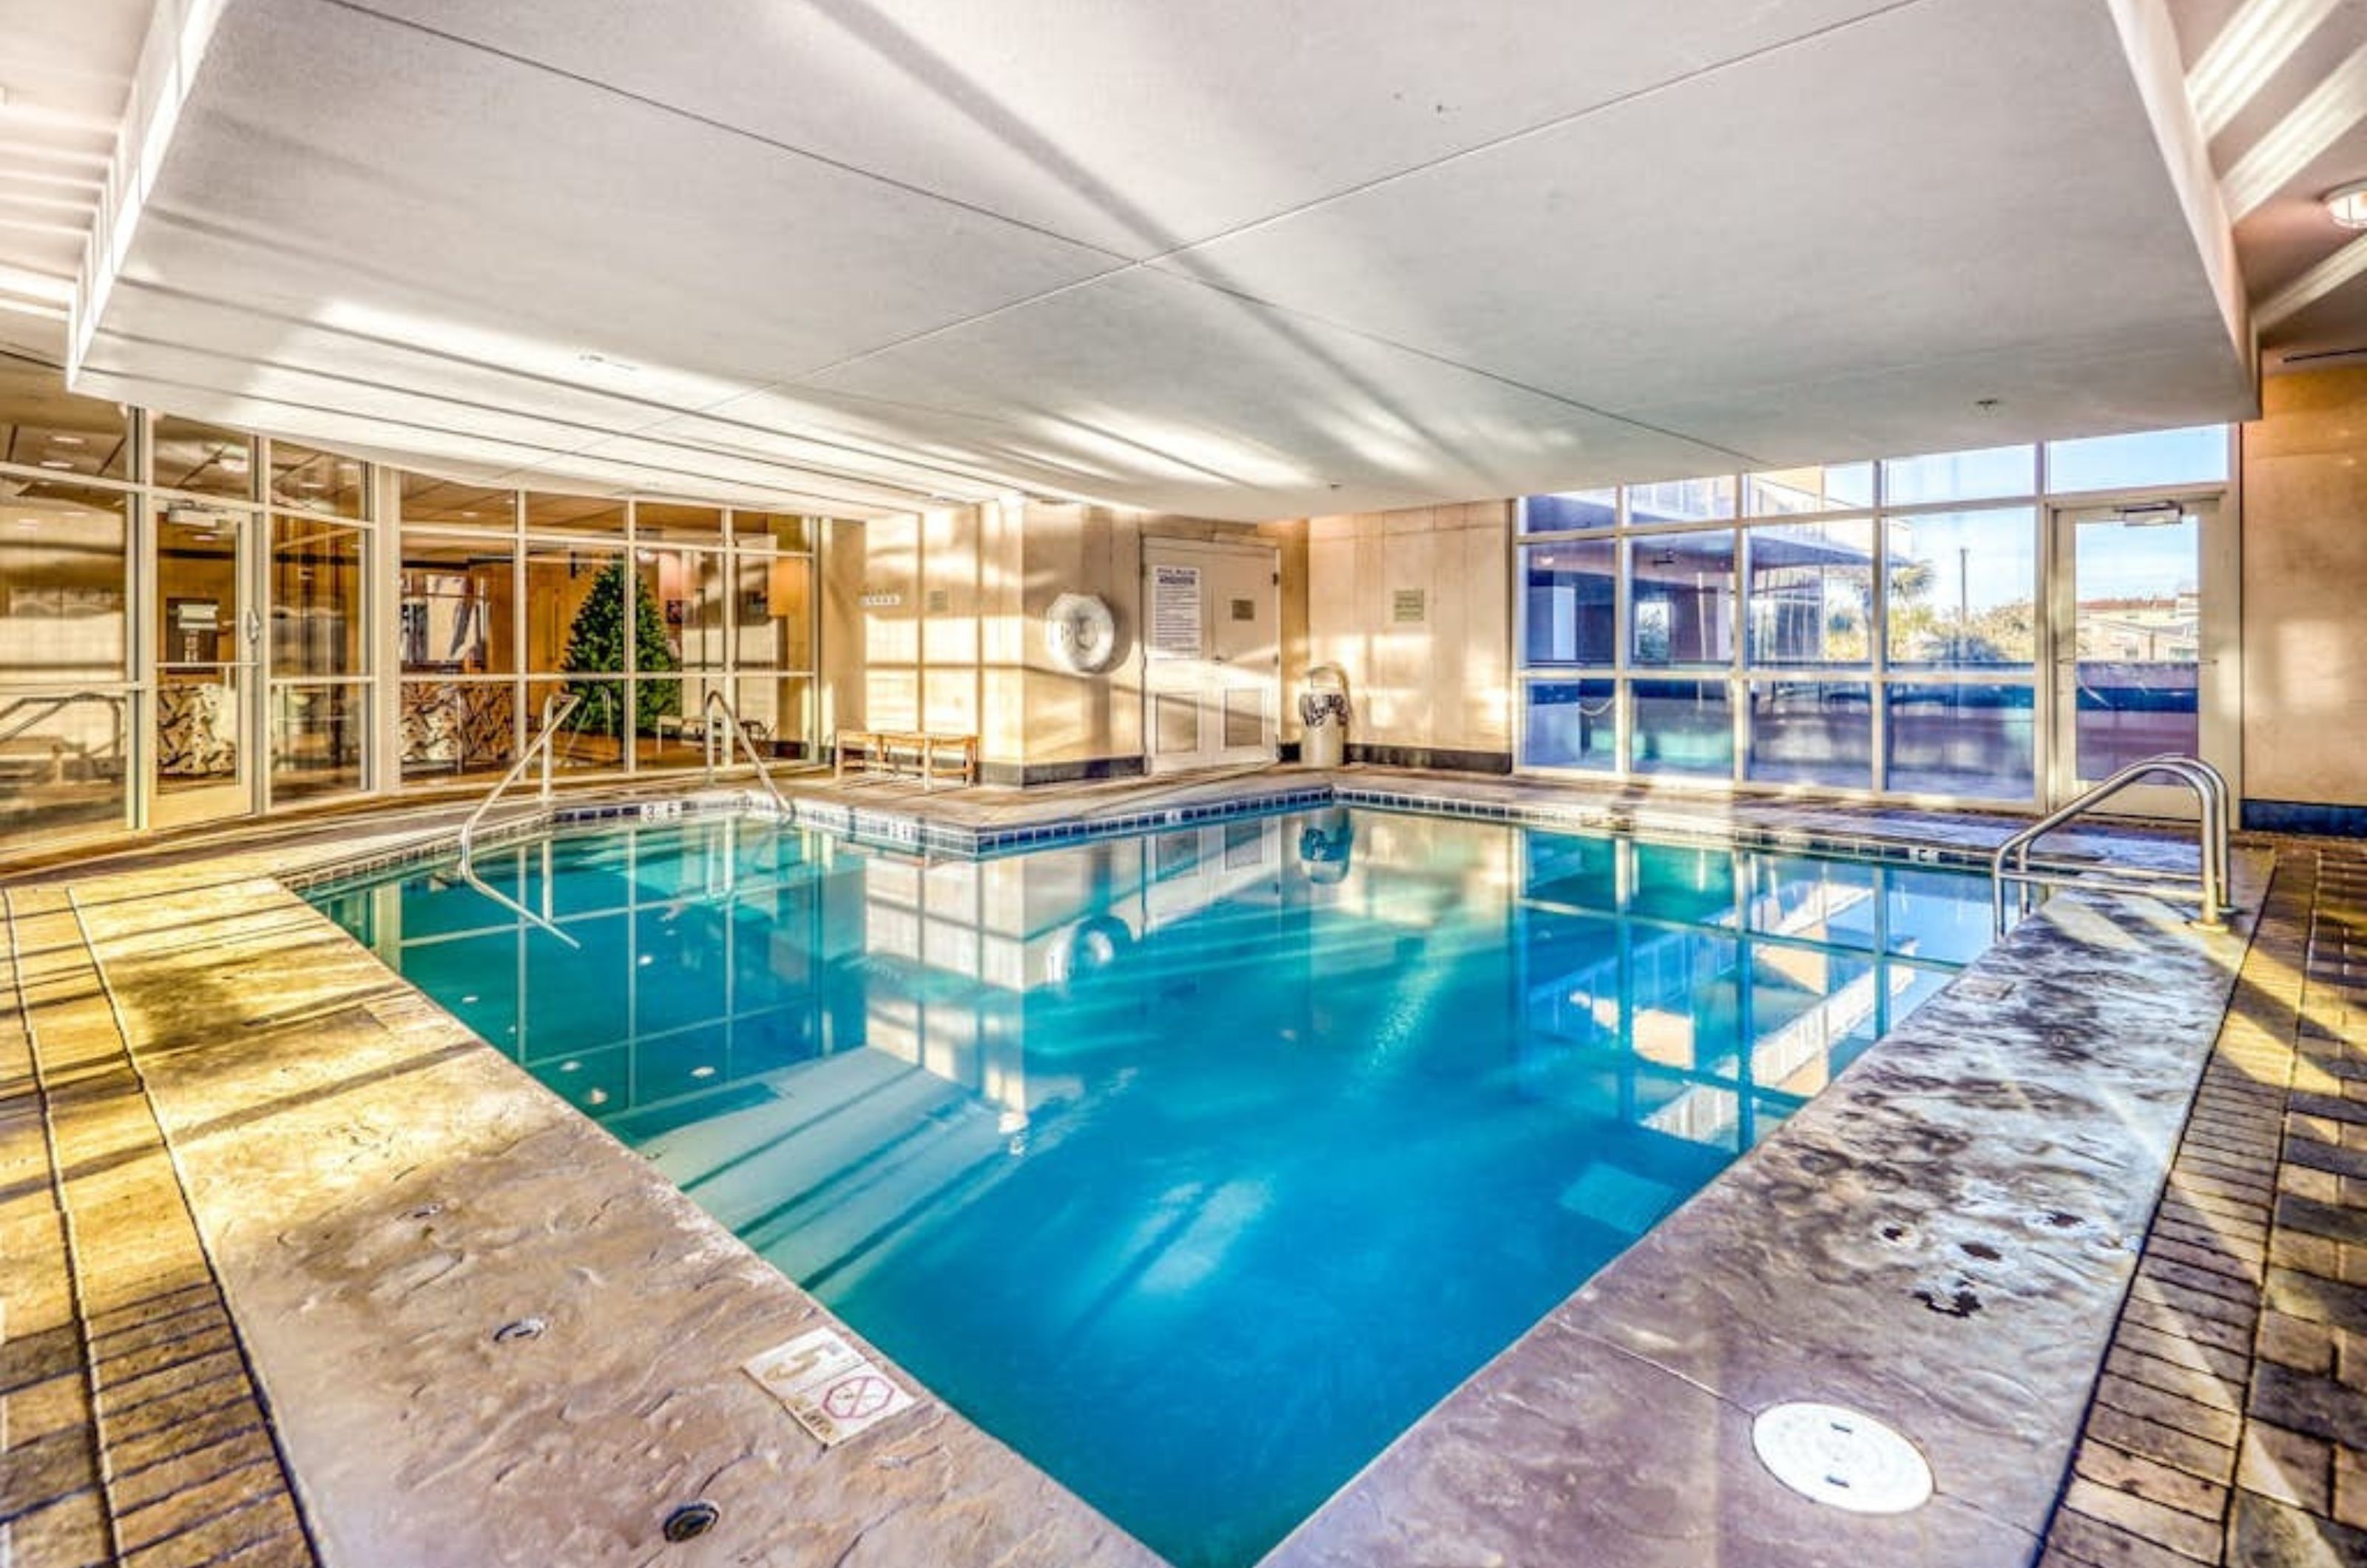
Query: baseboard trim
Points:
[2305, 817]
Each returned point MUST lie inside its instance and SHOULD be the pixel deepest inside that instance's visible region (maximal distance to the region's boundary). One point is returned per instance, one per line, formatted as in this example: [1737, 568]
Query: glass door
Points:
[2140, 624]
[208, 647]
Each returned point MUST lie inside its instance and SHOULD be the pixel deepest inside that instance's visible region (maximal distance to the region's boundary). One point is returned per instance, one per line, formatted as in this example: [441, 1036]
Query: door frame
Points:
[1265, 556]
[242, 795]
[2219, 678]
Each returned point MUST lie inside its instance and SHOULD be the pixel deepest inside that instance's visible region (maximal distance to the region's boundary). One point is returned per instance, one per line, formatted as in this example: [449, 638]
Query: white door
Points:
[1212, 645]
[2144, 623]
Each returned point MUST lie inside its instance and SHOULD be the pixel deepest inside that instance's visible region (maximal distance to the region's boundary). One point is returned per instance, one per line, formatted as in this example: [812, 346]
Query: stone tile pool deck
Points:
[262, 1209]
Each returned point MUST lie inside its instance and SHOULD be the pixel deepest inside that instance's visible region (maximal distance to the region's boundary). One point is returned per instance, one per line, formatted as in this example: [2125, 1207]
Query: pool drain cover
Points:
[1842, 1458]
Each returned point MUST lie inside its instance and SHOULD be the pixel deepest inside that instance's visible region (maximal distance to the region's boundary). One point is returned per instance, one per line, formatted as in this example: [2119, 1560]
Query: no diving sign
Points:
[833, 1389]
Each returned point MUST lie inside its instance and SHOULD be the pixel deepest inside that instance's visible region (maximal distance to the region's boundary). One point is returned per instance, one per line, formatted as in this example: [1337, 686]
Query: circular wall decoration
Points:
[1081, 633]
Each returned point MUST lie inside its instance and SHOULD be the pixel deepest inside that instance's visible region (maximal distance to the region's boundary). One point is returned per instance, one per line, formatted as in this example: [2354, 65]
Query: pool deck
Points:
[262, 1209]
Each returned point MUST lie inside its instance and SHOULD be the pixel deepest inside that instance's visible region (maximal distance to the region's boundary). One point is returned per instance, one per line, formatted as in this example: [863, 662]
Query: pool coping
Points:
[1606, 1353]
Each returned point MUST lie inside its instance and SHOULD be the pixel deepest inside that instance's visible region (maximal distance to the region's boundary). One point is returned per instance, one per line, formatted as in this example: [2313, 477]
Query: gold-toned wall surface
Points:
[841, 655]
[1415, 606]
[2304, 541]
[1290, 540]
[936, 622]
[1072, 717]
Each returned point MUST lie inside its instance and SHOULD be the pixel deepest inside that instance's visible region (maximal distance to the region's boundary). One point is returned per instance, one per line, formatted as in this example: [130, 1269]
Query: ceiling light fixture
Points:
[2347, 205]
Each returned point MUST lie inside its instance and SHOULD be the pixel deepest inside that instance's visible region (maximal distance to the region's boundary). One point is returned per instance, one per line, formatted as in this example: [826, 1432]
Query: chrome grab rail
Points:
[557, 709]
[2210, 788]
[716, 702]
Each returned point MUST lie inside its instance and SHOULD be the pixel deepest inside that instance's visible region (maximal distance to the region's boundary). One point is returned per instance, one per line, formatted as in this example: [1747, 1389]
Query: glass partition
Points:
[1991, 473]
[66, 698]
[1680, 599]
[45, 427]
[1962, 589]
[1570, 595]
[306, 480]
[459, 504]
[203, 459]
[1810, 589]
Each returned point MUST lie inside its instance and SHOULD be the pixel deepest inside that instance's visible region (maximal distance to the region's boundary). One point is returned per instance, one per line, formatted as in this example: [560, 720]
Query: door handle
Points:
[253, 623]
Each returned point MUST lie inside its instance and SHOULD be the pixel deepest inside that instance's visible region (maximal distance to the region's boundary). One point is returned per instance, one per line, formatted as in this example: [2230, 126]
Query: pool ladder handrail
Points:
[716, 702]
[557, 709]
[2011, 861]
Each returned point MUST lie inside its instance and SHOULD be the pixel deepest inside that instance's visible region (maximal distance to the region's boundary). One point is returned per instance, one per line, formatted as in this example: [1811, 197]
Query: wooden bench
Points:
[931, 757]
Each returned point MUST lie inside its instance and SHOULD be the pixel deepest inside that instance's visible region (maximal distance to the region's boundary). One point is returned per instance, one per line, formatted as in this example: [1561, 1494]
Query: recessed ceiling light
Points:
[67, 441]
[55, 463]
[2347, 205]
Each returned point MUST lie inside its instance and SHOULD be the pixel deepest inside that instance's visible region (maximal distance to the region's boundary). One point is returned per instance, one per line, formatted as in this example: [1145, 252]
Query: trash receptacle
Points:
[1323, 709]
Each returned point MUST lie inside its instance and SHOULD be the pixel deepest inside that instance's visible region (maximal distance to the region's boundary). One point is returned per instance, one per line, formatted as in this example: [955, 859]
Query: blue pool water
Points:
[1196, 1166]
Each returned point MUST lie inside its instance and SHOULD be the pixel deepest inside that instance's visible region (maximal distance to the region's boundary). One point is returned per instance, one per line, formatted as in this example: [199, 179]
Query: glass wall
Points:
[1868, 627]
[634, 611]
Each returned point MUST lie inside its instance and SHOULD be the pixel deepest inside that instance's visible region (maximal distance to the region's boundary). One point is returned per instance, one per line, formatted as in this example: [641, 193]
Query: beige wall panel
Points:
[891, 632]
[844, 660]
[1487, 635]
[1069, 716]
[1410, 659]
[2305, 544]
[1330, 604]
[1440, 682]
[1290, 543]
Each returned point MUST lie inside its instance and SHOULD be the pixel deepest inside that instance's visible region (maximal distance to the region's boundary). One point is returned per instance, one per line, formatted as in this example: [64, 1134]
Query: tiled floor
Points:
[129, 1422]
[2230, 1423]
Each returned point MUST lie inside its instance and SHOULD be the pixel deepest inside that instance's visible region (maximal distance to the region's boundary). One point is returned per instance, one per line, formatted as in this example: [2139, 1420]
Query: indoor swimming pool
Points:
[1194, 1166]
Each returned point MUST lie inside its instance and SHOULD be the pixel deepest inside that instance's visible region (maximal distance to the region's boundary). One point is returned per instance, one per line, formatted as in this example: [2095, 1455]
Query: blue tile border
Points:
[909, 833]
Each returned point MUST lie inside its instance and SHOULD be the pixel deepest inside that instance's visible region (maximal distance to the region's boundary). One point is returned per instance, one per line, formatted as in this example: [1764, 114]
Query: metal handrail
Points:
[716, 701]
[48, 707]
[2210, 788]
[557, 709]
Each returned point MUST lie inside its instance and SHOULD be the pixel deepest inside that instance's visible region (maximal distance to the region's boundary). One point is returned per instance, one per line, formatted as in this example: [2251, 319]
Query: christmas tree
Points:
[595, 645]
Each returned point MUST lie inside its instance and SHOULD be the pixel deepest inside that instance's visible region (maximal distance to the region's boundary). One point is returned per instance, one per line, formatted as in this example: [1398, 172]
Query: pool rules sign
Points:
[1175, 612]
[833, 1389]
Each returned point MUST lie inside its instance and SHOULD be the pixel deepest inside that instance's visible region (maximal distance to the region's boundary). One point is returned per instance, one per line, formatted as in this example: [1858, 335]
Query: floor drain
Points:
[1842, 1458]
[691, 1520]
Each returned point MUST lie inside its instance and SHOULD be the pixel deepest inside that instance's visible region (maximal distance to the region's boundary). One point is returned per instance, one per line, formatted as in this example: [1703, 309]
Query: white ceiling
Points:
[1232, 259]
[65, 72]
[2290, 124]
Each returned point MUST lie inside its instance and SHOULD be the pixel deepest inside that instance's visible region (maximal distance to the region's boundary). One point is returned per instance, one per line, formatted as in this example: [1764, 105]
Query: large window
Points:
[1865, 626]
